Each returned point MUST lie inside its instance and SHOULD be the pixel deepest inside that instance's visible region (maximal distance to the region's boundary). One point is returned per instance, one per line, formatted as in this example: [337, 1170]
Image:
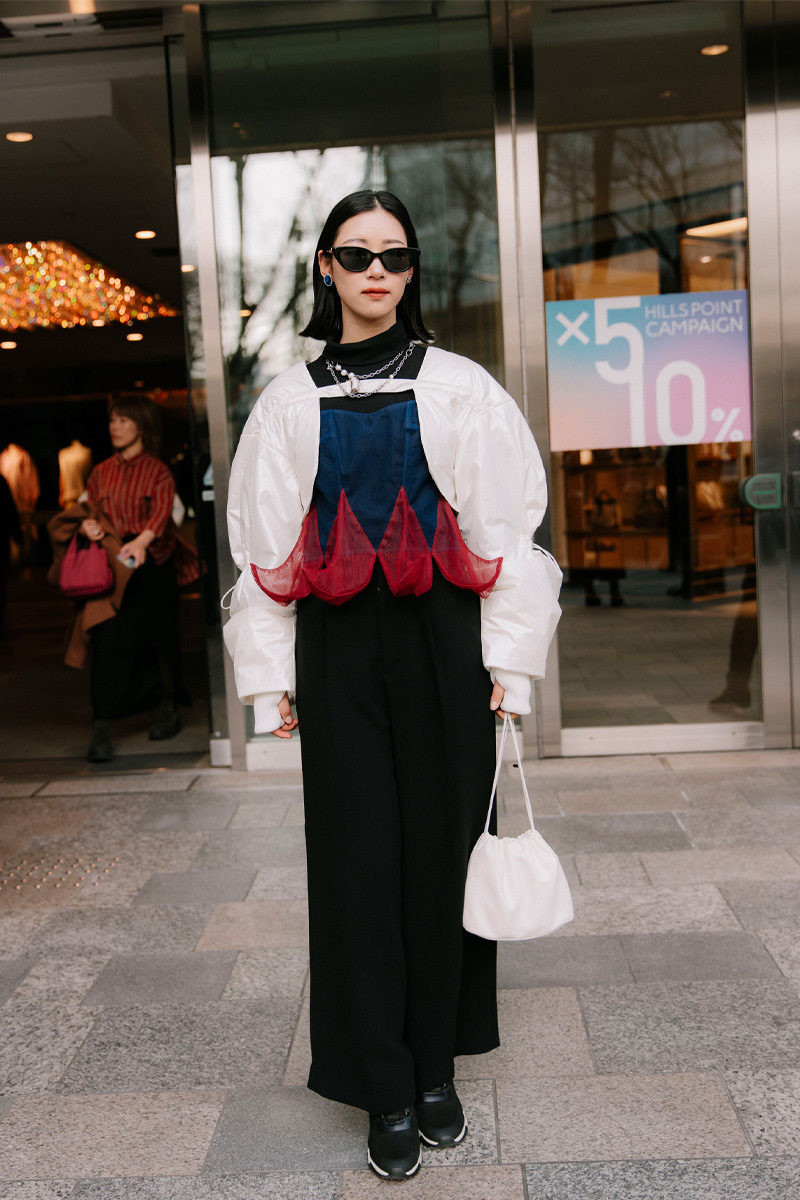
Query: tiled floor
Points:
[154, 973]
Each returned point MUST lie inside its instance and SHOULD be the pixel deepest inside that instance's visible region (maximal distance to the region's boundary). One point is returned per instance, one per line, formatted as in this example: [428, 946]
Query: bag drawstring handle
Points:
[224, 598]
[508, 723]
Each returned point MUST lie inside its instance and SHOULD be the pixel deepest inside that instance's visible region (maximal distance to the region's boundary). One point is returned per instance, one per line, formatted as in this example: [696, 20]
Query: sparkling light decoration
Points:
[53, 285]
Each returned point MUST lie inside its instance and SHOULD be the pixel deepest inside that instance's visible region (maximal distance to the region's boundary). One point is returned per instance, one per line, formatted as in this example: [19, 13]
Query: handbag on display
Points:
[516, 887]
[604, 513]
[85, 570]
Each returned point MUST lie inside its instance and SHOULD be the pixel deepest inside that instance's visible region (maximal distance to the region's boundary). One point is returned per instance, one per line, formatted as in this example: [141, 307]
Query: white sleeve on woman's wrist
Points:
[266, 712]
[517, 696]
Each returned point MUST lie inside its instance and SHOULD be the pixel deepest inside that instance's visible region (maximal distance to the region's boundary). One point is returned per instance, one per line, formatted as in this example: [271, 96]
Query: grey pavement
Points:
[154, 993]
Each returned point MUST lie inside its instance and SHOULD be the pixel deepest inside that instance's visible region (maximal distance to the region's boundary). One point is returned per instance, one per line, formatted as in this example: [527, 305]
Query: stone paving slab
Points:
[105, 785]
[647, 910]
[704, 1025]
[263, 813]
[543, 962]
[61, 978]
[197, 887]
[619, 870]
[38, 1189]
[595, 833]
[187, 812]
[769, 1104]
[256, 923]
[679, 867]
[673, 956]
[253, 781]
[108, 1134]
[765, 905]
[653, 798]
[20, 787]
[274, 1185]
[541, 1033]
[743, 828]
[671, 1179]
[440, 1183]
[177, 978]
[39, 1041]
[147, 928]
[612, 1117]
[282, 847]
[12, 970]
[280, 883]
[268, 972]
[784, 947]
[182, 1046]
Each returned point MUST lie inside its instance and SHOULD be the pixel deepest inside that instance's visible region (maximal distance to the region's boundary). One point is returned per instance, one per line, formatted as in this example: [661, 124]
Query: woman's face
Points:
[375, 293]
[123, 431]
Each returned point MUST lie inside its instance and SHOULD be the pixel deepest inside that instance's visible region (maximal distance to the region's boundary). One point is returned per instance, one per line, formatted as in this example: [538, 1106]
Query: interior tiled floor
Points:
[154, 970]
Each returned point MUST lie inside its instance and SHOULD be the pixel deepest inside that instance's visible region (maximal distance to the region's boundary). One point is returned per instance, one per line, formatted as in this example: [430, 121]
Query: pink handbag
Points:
[85, 571]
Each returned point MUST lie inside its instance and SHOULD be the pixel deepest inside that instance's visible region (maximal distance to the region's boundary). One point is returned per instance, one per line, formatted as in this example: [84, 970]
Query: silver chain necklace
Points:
[350, 384]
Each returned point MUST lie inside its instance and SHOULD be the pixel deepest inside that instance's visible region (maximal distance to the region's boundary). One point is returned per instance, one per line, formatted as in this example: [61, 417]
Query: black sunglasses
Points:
[358, 258]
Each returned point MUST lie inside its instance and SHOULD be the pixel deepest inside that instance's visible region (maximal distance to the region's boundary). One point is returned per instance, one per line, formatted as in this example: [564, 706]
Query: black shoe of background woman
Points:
[100, 747]
[167, 723]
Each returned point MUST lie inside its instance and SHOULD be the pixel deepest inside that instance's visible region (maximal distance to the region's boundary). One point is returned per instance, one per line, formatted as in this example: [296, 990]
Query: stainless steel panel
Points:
[216, 392]
[766, 300]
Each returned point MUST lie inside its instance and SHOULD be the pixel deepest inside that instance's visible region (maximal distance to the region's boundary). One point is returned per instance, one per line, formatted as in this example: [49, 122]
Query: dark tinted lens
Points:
[354, 258]
[397, 259]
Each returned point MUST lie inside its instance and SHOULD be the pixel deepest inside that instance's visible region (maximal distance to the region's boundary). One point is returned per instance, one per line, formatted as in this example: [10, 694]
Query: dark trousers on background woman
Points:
[398, 755]
[137, 651]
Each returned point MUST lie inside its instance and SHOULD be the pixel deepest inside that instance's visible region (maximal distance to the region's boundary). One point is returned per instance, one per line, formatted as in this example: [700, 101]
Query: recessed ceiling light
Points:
[8, 345]
[99, 323]
[713, 50]
[245, 312]
[134, 337]
[667, 94]
[19, 136]
[145, 234]
[187, 267]
[706, 258]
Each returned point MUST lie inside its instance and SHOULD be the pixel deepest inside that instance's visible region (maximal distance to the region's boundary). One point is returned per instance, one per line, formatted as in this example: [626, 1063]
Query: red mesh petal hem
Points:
[404, 554]
[455, 559]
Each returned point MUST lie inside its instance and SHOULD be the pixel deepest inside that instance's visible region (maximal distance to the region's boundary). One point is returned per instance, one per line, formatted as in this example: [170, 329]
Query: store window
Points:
[644, 235]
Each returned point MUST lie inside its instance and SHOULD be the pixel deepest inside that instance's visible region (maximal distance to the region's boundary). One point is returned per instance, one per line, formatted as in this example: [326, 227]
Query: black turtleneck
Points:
[367, 355]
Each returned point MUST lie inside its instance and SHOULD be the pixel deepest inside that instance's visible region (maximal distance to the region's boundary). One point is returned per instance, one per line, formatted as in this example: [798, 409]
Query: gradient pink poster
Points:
[648, 370]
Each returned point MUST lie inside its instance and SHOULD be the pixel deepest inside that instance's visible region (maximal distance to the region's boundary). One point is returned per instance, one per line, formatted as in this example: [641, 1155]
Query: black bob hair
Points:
[326, 316]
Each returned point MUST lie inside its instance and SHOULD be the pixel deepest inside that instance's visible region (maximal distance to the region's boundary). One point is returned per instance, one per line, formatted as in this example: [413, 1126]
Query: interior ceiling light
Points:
[719, 229]
[245, 312]
[187, 267]
[706, 258]
[19, 136]
[51, 285]
[134, 337]
[712, 51]
[144, 235]
[8, 345]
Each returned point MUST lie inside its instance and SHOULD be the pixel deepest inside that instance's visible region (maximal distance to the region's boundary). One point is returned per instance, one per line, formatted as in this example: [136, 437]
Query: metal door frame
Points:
[772, 125]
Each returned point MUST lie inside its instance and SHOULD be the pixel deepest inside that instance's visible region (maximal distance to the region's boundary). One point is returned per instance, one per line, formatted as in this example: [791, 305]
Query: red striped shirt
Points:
[137, 494]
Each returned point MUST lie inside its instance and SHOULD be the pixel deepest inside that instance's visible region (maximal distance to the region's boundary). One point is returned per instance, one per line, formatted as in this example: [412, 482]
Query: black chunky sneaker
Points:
[393, 1146]
[167, 723]
[440, 1117]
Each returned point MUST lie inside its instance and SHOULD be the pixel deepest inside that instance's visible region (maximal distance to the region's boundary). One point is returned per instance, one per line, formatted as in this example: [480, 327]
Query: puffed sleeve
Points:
[264, 518]
[501, 492]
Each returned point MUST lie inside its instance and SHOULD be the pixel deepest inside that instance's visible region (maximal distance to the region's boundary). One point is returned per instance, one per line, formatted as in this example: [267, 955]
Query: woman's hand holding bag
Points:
[85, 569]
[516, 887]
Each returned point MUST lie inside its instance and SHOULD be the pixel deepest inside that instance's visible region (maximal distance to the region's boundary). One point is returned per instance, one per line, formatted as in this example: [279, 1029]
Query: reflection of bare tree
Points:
[644, 181]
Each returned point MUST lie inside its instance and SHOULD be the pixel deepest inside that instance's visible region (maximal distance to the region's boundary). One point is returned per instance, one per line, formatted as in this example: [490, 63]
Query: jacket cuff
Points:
[517, 697]
[266, 712]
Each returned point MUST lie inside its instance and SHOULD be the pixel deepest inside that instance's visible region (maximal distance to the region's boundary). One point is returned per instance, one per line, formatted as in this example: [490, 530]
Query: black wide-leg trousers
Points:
[398, 757]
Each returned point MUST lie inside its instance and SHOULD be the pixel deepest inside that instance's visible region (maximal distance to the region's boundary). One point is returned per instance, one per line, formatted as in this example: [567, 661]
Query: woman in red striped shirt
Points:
[135, 490]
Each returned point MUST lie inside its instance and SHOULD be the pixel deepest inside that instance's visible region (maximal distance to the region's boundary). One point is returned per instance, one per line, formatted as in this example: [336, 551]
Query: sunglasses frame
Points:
[336, 250]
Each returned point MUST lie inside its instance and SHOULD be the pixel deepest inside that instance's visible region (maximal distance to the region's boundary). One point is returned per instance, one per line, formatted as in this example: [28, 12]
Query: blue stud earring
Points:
[326, 279]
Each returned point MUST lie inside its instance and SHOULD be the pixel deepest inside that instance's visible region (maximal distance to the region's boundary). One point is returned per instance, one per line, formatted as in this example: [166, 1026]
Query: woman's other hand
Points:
[497, 694]
[289, 722]
[137, 548]
[91, 529]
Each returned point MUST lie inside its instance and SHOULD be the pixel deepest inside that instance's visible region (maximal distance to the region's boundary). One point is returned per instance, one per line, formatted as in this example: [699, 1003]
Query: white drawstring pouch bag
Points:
[516, 887]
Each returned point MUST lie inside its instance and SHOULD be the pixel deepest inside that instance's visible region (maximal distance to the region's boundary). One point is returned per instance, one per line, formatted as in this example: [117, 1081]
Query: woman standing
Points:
[128, 507]
[382, 506]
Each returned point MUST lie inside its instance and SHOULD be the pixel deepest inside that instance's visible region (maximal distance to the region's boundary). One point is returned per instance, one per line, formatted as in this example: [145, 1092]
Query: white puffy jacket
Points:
[482, 456]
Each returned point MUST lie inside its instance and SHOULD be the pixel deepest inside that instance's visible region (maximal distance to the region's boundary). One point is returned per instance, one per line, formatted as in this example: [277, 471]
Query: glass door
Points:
[646, 278]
